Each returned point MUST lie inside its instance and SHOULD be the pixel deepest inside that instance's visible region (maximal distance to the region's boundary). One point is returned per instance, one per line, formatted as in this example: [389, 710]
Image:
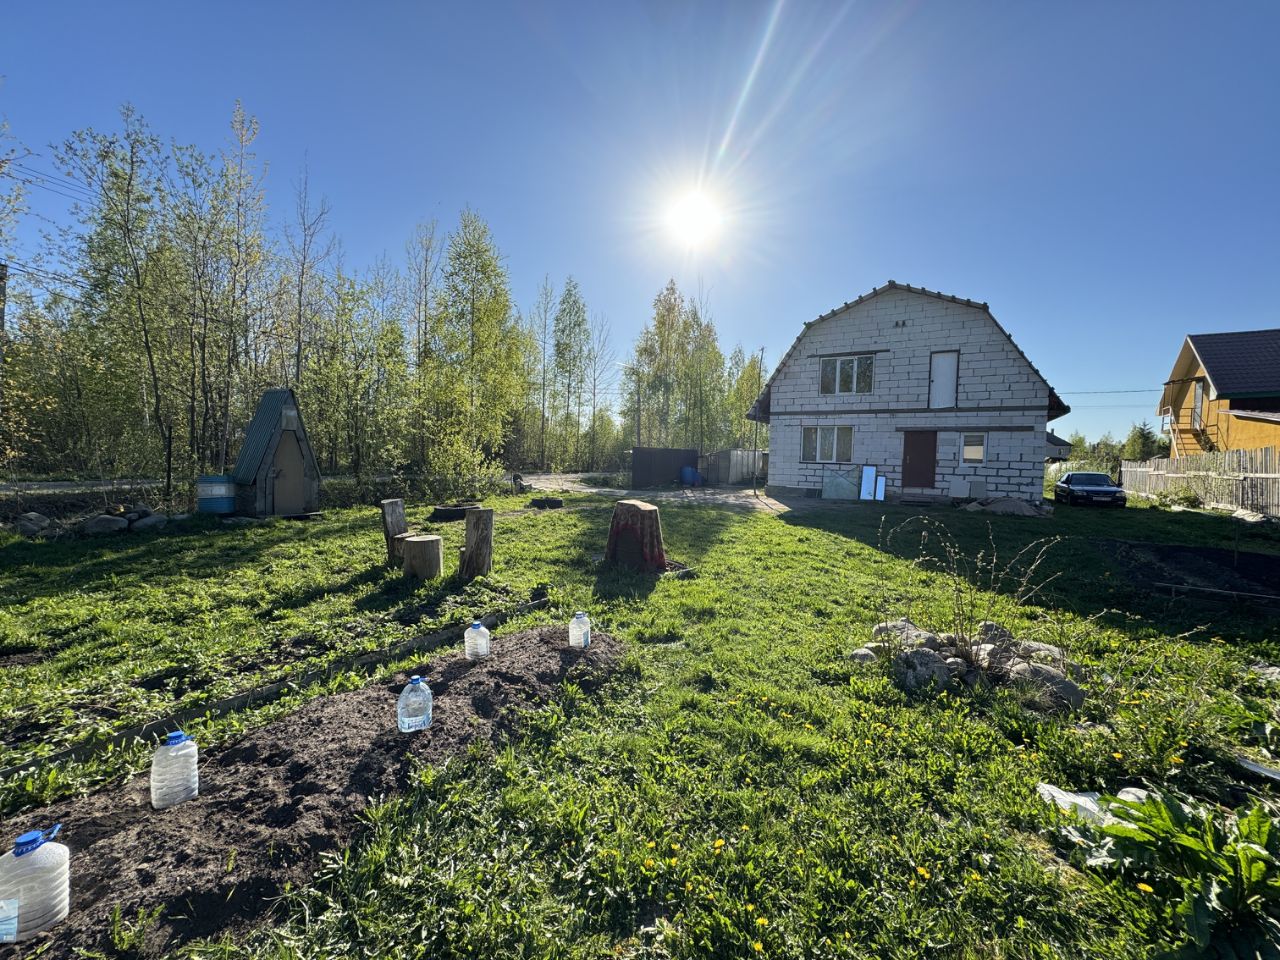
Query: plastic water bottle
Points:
[580, 631]
[35, 885]
[175, 776]
[475, 642]
[413, 712]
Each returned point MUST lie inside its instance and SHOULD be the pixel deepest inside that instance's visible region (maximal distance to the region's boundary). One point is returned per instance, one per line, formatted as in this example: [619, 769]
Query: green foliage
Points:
[1178, 496]
[1215, 875]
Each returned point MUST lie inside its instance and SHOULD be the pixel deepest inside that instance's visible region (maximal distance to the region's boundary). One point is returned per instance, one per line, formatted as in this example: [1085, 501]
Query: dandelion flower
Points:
[1176, 759]
[751, 908]
[761, 922]
[745, 827]
[675, 846]
[688, 885]
[923, 871]
[1146, 888]
[650, 844]
[648, 861]
[759, 947]
[1118, 756]
[719, 843]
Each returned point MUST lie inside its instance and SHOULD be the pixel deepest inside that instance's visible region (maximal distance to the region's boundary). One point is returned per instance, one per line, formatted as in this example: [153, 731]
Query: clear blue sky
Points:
[1106, 175]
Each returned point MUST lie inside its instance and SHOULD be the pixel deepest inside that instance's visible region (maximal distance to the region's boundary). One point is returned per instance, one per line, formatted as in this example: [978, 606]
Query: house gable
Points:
[897, 319]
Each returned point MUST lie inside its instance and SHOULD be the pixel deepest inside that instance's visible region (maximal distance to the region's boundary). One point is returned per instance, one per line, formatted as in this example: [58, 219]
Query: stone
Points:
[863, 655]
[179, 517]
[132, 516]
[956, 666]
[38, 520]
[989, 632]
[153, 521]
[879, 649]
[975, 679]
[906, 633]
[1034, 651]
[945, 652]
[142, 510]
[103, 523]
[1063, 694]
[992, 656]
[921, 671]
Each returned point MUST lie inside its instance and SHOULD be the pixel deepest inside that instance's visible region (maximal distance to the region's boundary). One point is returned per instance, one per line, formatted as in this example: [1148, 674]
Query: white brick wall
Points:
[994, 386]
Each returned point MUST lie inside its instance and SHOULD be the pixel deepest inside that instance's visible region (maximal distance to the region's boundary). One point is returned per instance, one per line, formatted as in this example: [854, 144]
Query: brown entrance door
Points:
[290, 484]
[919, 458]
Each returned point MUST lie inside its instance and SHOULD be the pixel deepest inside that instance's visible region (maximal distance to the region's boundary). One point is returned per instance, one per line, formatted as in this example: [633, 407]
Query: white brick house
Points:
[927, 388]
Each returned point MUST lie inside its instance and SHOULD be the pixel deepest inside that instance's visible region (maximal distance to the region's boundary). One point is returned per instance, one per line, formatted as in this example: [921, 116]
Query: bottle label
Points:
[8, 921]
[412, 724]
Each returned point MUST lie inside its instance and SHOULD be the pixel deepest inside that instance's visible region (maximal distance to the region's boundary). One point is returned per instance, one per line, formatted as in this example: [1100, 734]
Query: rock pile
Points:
[117, 519]
[923, 662]
[1008, 507]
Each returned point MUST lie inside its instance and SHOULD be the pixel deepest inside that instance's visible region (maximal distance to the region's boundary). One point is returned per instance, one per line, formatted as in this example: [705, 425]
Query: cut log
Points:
[423, 556]
[393, 525]
[476, 558]
[635, 537]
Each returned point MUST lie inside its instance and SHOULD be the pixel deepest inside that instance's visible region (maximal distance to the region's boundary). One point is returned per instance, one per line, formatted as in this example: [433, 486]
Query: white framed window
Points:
[852, 374]
[289, 418]
[826, 445]
[974, 448]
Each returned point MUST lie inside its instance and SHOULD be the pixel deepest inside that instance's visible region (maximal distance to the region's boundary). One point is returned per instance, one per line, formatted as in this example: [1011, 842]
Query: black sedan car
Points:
[1096, 488]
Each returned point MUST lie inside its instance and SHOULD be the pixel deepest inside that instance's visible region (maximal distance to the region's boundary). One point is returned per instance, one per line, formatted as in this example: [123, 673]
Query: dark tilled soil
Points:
[272, 803]
[1217, 568]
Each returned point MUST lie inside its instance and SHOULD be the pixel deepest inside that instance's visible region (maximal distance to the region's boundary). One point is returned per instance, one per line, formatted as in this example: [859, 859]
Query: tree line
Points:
[139, 339]
[1141, 443]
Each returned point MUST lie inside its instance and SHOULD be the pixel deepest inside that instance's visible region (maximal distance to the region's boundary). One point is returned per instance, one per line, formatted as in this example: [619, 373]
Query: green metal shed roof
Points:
[263, 426]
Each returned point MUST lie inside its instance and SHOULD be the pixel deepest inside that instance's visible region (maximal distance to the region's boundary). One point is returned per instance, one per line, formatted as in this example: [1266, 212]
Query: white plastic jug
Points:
[580, 631]
[475, 643]
[413, 712]
[35, 885]
[175, 774]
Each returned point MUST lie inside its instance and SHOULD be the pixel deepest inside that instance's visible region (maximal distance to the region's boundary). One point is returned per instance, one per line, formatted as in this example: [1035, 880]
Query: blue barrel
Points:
[689, 476]
[216, 494]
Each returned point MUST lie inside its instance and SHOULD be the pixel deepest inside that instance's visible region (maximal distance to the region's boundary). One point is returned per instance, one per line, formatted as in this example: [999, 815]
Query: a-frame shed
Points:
[276, 472]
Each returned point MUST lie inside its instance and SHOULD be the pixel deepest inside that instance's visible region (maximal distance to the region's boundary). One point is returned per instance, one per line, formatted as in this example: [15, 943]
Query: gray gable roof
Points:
[262, 428]
[761, 408]
[1242, 364]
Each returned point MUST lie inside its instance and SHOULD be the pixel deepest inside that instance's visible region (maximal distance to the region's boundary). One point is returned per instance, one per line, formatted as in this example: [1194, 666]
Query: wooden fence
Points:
[1229, 480]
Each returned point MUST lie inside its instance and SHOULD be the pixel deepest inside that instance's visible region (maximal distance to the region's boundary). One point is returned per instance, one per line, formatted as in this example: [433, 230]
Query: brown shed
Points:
[276, 472]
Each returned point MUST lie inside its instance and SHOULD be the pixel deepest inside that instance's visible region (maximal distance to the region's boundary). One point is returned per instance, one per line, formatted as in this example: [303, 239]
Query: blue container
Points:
[216, 494]
[690, 477]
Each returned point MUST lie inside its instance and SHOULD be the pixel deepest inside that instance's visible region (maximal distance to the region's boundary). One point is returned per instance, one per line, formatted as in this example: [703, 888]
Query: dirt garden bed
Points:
[1199, 568]
[271, 804]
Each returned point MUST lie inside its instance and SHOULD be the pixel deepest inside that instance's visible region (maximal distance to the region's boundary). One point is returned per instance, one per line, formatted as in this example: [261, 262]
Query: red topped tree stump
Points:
[635, 537]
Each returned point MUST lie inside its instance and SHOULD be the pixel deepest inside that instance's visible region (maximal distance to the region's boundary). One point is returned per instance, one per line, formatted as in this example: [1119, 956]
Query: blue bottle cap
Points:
[415, 679]
[33, 840]
[579, 615]
[476, 623]
[175, 738]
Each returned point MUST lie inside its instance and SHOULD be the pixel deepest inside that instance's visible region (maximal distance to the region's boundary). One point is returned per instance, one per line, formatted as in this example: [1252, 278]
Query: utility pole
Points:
[4, 333]
[755, 440]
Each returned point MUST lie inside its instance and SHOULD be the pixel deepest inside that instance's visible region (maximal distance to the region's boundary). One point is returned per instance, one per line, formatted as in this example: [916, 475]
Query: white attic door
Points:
[944, 370]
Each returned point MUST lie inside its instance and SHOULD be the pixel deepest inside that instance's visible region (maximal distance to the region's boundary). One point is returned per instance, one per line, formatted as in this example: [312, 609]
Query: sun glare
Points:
[694, 220]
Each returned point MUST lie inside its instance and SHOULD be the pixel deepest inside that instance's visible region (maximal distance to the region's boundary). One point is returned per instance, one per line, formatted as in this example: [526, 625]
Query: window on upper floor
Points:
[852, 374]
[827, 445]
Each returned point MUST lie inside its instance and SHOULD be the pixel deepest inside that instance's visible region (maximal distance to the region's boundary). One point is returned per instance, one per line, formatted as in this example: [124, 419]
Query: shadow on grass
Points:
[1082, 572]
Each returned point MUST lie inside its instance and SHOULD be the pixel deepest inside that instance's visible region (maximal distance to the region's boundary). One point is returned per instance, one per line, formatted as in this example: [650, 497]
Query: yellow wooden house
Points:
[1223, 393]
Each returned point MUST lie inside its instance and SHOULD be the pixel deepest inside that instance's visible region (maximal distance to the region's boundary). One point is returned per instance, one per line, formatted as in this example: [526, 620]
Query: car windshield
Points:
[1091, 480]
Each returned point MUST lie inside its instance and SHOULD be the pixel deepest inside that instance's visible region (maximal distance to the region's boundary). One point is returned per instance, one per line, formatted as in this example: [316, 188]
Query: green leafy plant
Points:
[1217, 875]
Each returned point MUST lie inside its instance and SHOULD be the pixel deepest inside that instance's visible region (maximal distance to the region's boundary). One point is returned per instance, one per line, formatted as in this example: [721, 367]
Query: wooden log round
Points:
[635, 537]
[423, 556]
[476, 558]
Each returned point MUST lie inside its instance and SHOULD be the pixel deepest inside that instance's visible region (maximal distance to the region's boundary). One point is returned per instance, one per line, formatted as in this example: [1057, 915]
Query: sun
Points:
[694, 219]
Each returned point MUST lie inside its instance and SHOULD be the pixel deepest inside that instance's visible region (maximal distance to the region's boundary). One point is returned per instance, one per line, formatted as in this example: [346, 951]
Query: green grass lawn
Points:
[741, 789]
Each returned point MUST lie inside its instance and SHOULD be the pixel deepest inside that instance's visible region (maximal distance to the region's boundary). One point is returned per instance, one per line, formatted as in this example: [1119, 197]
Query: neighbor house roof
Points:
[760, 409]
[263, 426]
[1056, 440]
[1241, 364]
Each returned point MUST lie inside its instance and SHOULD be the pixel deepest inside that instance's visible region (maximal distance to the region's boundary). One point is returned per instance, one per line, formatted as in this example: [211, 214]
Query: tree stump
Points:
[476, 558]
[394, 528]
[423, 556]
[635, 537]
